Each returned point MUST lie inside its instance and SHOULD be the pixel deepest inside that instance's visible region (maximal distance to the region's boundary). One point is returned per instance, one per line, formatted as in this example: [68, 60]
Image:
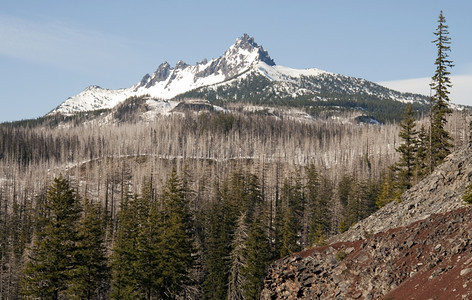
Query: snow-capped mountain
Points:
[244, 72]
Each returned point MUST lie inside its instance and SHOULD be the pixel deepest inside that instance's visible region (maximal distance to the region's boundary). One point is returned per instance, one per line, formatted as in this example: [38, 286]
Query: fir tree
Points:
[51, 264]
[288, 221]
[257, 257]
[406, 165]
[318, 195]
[91, 274]
[440, 140]
[123, 284]
[389, 189]
[217, 246]
[421, 158]
[238, 260]
[175, 242]
[148, 220]
[361, 202]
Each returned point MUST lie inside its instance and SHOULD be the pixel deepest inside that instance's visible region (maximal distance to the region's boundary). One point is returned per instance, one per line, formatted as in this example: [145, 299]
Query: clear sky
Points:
[51, 50]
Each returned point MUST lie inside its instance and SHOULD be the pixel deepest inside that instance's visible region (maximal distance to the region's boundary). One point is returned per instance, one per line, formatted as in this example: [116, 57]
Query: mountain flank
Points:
[420, 248]
[245, 73]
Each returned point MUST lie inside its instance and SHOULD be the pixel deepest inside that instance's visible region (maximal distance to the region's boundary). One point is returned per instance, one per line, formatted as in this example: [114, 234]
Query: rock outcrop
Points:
[420, 248]
[429, 259]
[439, 192]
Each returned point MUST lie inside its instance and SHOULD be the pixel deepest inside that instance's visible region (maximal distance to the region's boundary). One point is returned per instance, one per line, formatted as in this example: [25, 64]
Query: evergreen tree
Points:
[148, 220]
[91, 275]
[217, 246]
[345, 186]
[123, 284]
[467, 197]
[405, 166]
[175, 241]
[288, 221]
[440, 140]
[51, 264]
[237, 281]
[318, 196]
[361, 202]
[389, 189]
[421, 158]
[257, 257]
[344, 189]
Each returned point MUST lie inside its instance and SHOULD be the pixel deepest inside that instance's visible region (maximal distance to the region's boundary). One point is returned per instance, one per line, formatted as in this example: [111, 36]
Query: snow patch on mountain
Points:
[242, 59]
[280, 73]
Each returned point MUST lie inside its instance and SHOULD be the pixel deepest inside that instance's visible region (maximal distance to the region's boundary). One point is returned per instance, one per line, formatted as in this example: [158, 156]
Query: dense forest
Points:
[192, 205]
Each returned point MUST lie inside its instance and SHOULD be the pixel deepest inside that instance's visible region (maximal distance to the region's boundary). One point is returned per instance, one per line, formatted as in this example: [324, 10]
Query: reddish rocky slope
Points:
[418, 249]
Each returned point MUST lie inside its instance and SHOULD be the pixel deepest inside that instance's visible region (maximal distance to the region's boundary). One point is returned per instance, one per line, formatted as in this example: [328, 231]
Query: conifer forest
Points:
[190, 206]
[197, 203]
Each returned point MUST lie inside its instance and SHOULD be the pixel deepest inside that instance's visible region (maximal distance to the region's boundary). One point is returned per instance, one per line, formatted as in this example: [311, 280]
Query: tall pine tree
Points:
[52, 261]
[440, 139]
[90, 278]
[238, 261]
[288, 220]
[124, 274]
[175, 242]
[257, 257]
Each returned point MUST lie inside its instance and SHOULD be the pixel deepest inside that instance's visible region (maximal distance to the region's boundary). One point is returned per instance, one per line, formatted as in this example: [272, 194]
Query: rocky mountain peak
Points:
[181, 65]
[244, 58]
[247, 43]
[161, 74]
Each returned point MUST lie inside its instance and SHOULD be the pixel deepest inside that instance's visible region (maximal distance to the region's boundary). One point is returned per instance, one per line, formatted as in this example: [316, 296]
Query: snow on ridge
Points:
[281, 73]
[93, 98]
[241, 59]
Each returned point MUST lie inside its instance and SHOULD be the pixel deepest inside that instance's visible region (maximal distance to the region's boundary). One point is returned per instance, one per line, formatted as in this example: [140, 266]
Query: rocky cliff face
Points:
[420, 248]
[439, 192]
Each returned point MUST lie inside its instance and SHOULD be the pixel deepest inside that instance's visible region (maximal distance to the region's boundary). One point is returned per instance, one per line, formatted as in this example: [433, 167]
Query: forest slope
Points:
[417, 249]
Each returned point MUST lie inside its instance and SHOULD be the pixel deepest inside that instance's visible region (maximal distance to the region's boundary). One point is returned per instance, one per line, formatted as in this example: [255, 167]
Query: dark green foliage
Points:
[318, 193]
[288, 220]
[16, 230]
[344, 189]
[153, 249]
[361, 202]
[219, 223]
[390, 189]
[406, 165]
[123, 284]
[341, 255]
[237, 280]
[421, 159]
[175, 242]
[257, 257]
[468, 194]
[53, 258]
[337, 95]
[440, 138]
[90, 278]
[130, 109]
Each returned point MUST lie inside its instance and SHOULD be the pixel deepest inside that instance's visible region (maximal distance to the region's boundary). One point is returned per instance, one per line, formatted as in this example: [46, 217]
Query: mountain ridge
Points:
[245, 58]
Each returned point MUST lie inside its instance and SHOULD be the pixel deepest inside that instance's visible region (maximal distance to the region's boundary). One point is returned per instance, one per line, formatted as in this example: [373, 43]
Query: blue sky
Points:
[51, 50]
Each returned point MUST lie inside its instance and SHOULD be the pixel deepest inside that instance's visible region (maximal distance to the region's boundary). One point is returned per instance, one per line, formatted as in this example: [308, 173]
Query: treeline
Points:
[168, 240]
[302, 180]
[328, 93]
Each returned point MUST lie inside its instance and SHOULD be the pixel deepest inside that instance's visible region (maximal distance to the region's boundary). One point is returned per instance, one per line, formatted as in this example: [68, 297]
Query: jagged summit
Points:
[244, 59]
[247, 43]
